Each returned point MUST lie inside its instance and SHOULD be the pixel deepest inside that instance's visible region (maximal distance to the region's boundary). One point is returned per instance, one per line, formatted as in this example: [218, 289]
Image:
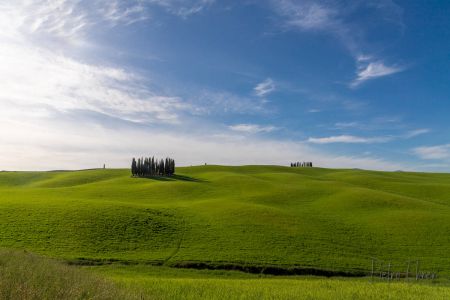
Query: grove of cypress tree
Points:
[149, 166]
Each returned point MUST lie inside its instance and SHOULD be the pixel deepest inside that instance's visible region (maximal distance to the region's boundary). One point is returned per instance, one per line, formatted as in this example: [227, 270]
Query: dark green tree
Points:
[133, 167]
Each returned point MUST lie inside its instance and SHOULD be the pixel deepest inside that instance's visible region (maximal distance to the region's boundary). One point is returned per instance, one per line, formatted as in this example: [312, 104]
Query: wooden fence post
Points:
[407, 272]
[371, 275]
[389, 270]
[417, 270]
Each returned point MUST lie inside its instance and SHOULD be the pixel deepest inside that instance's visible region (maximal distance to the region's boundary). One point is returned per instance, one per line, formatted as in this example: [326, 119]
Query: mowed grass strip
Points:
[250, 215]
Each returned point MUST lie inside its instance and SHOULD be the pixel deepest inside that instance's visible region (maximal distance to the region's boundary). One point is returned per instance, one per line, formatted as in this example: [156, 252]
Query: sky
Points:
[343, 84]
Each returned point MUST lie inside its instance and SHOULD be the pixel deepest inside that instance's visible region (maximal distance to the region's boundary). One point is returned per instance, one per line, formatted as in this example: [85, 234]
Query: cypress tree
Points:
[133, 167]
[145, 166]
[169, 166]
[173, 166]
[152, 166]
[166, 167]
[138, 167]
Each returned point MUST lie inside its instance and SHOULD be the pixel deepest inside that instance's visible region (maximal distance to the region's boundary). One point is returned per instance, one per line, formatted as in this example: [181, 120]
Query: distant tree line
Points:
[149, 166]
[307, 164]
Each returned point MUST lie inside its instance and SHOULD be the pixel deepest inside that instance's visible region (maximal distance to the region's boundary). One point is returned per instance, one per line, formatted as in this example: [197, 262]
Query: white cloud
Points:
[183, 8]
[71, 20]
[64, 20]
[416, 132]
[252, 128]
[305, 15]
[374, 70]
[44, 93]
[433, 152]
[56, 18]
[350, 139]
[264, 88]
[332, 18]
[222, 102]
[126, 12]
[345, 125]
[32, 76]
[58, 143]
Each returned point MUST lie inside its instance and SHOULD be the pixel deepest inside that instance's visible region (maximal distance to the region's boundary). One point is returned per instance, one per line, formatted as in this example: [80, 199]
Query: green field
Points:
[26, 276]
[165, 283]
[225, 217]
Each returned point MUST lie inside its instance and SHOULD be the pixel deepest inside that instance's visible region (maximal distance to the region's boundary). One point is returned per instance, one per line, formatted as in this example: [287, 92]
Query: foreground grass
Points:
[281, 289]
[164, 283]
[26, 276]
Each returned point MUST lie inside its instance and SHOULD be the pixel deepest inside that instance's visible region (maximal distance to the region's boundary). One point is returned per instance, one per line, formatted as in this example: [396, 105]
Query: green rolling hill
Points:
[244, 216]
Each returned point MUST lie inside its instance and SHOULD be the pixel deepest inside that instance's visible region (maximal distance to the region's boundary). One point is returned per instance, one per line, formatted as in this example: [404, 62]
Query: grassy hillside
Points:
[251, 215]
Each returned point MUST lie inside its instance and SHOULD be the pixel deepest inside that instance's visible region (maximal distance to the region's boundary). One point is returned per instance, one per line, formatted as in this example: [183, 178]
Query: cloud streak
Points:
[74, 145]
[31, 76]
[349, 139]
[306, 15]
[332, 18]
[183, 8]
[264, 88]
[47, 93]
[416, 132]
[433, 152]
[252, 128]
[374, 70]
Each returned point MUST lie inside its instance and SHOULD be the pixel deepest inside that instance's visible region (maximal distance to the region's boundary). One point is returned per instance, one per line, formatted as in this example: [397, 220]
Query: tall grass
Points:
[166, 288]
[168, 283]
[26, 276]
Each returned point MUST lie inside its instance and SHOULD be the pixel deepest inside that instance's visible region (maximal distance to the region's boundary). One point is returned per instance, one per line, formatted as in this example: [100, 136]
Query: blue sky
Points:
[357, 84]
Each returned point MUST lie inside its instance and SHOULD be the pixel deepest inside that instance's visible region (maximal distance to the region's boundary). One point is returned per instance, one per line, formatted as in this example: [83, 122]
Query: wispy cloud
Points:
[264, 88]
[346, 125]
[306, 15]
[210, 102]
[252, 128]
[32, 74]
[71, 20]
[40, 77]
[416, 132]
[320, 16]
[433, 152]
[47, 92]
[183, 8]
[349, 139]
[89, 145]
[123, 12]
[374, 70]
[60, 19]
[332, 18]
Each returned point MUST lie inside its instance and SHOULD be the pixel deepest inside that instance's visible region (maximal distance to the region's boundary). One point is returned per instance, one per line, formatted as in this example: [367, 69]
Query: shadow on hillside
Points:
[174, 178]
